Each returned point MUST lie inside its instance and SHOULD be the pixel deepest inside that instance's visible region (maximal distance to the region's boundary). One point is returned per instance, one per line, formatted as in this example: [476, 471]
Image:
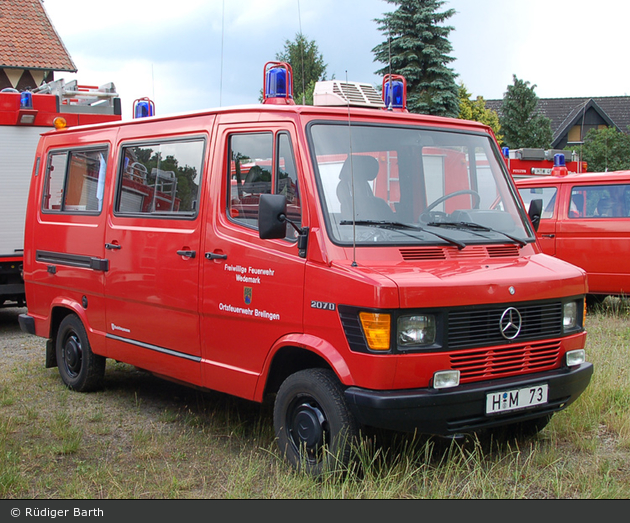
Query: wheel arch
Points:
[59, 311]
[295, 353]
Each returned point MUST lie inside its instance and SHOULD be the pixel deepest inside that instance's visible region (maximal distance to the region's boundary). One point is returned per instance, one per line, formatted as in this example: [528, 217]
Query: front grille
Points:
[499, 362]
[470, 328]
[453, 253]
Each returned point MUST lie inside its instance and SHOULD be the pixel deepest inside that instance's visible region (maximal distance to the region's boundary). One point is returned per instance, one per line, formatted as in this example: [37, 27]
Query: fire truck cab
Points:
[362, 265]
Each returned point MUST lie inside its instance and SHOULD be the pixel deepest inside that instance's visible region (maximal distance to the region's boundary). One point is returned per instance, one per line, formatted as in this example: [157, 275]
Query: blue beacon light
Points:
[559, 165]
[278, 83]
[143, 108]
[559, 160]
[26, 100]
[395, 92]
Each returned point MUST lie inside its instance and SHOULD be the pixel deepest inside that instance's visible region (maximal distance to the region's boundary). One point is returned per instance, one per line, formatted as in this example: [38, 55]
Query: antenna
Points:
[354, 214]
[302, 53]
[389, 42]
[222, 39]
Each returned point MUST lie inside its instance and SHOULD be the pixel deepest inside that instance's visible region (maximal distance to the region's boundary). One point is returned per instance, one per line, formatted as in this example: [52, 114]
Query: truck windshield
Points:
[403, 185]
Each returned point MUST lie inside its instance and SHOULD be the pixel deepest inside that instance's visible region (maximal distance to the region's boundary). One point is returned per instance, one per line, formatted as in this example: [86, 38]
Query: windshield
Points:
[385, 184]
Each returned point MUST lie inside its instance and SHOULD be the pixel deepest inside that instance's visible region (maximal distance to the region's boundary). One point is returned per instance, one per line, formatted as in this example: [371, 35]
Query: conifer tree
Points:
[418, 48]
[521, 123]
[308, 66]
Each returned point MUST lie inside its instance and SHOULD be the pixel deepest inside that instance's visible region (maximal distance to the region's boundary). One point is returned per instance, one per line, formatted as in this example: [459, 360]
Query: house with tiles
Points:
[572, 118]
[31, 51]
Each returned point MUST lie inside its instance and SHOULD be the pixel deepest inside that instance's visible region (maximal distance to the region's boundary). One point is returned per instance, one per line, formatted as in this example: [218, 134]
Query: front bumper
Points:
[462, 409]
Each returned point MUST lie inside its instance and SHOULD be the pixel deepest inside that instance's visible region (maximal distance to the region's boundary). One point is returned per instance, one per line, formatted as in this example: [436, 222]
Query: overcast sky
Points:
[197, 54]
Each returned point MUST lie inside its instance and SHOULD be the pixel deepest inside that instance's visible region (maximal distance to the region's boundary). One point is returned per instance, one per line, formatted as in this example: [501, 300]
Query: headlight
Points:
[570, 319]
[416, 331]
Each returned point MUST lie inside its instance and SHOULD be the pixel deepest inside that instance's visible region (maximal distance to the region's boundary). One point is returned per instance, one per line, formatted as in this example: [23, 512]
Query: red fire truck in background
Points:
[524, 163]
[24, 116]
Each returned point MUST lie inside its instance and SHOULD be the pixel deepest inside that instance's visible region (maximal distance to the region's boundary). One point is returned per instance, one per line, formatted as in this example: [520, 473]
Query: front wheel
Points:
[313, 425]
[523, 430]
[79, 367]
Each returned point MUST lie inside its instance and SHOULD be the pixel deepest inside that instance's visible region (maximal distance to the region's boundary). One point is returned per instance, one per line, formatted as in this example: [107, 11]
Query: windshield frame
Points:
[492, 151]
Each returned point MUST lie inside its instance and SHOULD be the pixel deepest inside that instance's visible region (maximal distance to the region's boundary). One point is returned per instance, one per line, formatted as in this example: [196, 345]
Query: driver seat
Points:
[366, 205]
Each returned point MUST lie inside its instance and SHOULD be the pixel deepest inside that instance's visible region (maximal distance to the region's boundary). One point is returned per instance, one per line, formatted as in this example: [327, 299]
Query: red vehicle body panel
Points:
[224, 313]
[574, 230]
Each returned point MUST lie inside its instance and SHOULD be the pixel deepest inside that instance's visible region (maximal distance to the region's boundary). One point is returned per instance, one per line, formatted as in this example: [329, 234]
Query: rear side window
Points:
[161, 178]
[600, 201]
[75, 180]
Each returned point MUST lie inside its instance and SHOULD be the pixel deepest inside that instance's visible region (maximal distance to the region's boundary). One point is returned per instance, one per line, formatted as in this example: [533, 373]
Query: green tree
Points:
[417, 47]
[605, 150]
[308, 67]
[521, 123]
[477, 111]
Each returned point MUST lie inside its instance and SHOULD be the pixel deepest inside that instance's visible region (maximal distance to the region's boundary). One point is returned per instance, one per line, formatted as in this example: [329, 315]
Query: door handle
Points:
[548, 235]
[214, 256]
[113, 246]
[188, 254]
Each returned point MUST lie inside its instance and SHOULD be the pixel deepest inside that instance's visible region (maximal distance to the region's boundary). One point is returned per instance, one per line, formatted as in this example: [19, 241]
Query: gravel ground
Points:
[16, 344]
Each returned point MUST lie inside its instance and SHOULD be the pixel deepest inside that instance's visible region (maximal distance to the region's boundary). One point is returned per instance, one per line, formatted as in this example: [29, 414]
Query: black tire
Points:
[524, 430]
[314, 428]
[79, 367]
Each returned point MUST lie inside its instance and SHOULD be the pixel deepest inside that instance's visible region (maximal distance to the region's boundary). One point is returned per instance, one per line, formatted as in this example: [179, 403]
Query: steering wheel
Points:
[427, 216]
[475, 194]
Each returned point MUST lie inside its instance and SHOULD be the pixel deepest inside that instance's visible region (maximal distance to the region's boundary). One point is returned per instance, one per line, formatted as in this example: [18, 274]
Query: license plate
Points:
[515, 399]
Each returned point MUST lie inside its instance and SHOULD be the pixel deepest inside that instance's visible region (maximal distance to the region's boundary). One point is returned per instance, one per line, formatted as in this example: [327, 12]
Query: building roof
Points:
[28, 39]
[567, 112]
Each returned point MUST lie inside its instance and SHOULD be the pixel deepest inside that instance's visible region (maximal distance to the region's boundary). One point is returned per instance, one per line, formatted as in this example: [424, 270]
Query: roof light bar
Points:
[278, 82]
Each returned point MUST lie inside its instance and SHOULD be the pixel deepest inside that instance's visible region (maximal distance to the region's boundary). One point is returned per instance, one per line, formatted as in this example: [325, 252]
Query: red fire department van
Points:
[586, 221]
[23, 118]
[362, 265]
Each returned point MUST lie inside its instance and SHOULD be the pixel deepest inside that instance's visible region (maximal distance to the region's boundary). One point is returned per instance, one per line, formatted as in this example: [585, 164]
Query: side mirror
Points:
[535, 212]
[272, 216]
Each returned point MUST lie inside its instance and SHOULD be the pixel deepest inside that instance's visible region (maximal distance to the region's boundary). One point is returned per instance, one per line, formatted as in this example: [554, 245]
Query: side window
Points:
[75, 180]
[250, 175]
[546, 194]
[254, 170]
[160, 179]
[287, 182]
[600, 201]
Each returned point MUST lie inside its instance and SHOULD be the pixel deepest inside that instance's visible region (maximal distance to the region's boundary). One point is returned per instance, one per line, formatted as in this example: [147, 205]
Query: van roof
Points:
[571, 178]
[305, 110]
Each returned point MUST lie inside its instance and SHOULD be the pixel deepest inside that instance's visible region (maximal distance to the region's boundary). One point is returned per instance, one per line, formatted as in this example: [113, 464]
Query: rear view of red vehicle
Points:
[24, 116]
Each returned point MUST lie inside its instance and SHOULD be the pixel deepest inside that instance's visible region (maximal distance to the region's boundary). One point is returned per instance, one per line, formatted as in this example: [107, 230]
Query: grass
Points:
[143, 438]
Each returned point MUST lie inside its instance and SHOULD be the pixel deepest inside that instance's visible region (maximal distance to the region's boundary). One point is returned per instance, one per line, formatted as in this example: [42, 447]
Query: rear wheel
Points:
[313, 425]
[79, 367]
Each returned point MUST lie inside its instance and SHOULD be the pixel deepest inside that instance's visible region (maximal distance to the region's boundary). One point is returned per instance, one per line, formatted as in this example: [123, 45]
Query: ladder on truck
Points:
[75, 98]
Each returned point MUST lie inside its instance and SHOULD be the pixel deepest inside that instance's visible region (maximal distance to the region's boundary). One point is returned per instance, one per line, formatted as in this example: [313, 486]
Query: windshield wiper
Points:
[478, 227]
[397, 226]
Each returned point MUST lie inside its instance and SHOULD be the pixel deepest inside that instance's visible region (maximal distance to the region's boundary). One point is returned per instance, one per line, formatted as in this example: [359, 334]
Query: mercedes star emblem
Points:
[511, 323]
